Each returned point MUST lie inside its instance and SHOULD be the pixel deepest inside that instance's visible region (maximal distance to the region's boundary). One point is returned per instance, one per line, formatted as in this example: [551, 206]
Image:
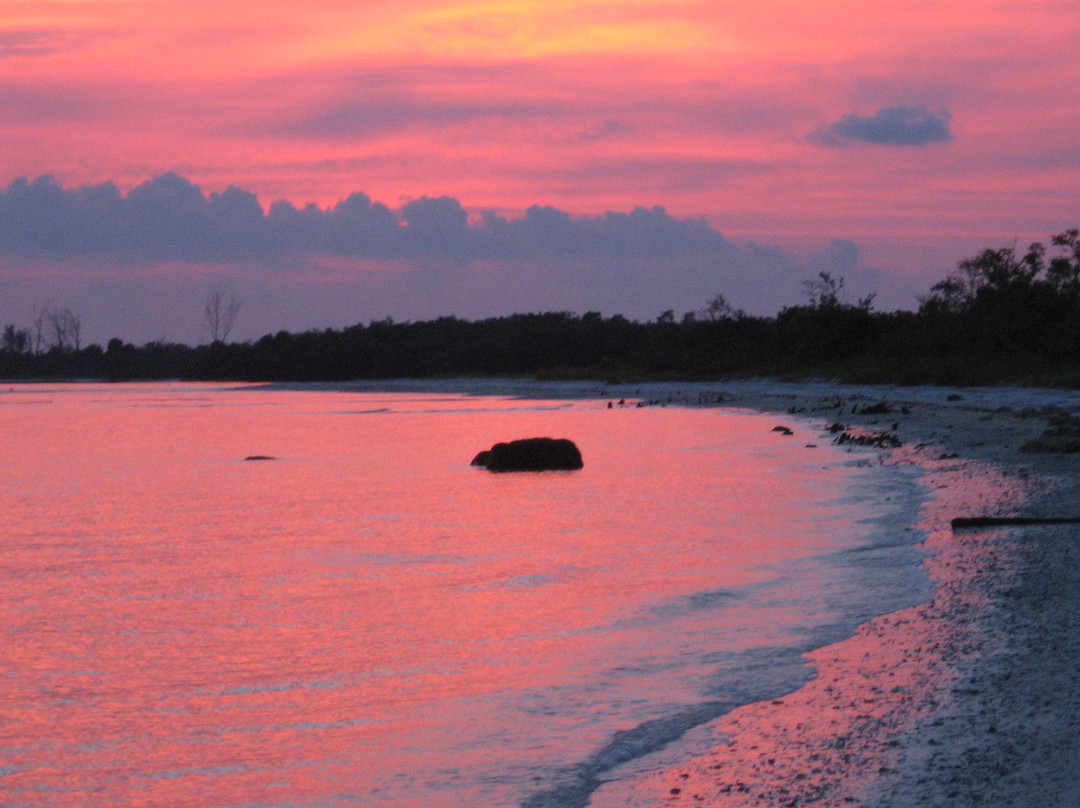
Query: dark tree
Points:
[219, 314]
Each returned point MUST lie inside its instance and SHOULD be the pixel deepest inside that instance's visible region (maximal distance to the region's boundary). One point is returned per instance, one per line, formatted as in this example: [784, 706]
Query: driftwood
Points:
[1003, 521]
[880, 440]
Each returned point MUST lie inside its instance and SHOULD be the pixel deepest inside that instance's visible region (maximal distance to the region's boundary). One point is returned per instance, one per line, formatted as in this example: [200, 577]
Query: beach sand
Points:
[969, 699]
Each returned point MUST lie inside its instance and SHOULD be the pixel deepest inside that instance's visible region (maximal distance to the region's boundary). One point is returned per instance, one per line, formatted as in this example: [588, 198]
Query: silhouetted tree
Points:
[15, 340]
[827, 292]
[37, 334]
[66, 327]
[1063, 271]
[993, 270]
[718, 308]
[219, 314]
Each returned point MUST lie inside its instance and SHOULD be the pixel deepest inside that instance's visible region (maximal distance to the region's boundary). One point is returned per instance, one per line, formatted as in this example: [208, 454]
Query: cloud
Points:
[609, 128]
[381, 115]
[362, 103]
[566, 101]
[840, 255]
[667, 173]
[170, 218]
[28, 103]
[37, 42]
[890, 126]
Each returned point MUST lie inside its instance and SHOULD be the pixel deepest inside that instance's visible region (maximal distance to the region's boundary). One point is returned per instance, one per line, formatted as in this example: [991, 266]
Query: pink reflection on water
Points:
[183, 628]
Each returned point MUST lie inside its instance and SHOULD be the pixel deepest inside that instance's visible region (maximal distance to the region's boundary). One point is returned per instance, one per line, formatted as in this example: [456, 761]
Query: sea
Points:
[363, 618]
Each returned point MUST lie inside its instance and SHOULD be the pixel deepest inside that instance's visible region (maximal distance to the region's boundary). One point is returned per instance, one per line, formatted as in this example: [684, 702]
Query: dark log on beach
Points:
[1003, 521]
[531, 454]
[880, 440]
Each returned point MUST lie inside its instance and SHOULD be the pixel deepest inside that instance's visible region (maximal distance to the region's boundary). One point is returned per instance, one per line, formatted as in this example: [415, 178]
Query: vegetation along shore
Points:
[999, 317]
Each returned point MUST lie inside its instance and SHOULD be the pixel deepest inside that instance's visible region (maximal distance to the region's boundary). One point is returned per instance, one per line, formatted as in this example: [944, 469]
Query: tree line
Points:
[1000, 316]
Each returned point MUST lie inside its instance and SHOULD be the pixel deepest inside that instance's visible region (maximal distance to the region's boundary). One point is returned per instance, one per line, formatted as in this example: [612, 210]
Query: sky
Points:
[329, 162]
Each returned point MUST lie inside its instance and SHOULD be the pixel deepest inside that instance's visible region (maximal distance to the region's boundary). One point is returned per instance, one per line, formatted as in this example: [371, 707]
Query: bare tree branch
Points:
[220, 313]
[66, 328]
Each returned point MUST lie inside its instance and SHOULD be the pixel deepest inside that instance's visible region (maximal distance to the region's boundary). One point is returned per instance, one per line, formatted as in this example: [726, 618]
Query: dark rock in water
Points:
[259, 457]
[783, 430]
[531, 454]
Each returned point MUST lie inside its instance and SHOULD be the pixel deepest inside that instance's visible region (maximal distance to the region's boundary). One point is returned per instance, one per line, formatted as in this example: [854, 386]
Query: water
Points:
[368, 620]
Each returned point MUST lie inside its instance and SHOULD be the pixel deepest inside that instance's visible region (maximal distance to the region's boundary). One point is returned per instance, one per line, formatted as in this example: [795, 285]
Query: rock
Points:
[531, 454]
[259, 457]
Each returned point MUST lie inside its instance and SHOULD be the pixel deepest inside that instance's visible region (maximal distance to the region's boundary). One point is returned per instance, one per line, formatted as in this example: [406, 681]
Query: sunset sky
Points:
[880, 141]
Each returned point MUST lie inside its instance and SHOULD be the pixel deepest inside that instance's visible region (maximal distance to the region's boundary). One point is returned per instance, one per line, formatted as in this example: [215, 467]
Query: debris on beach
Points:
[962, 522]
[878, 440]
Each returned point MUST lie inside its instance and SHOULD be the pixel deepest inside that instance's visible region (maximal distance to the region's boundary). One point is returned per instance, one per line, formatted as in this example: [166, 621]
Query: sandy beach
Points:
[969, 699]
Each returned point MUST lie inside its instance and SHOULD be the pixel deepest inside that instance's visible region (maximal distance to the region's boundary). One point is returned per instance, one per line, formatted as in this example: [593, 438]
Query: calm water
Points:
[368, 620]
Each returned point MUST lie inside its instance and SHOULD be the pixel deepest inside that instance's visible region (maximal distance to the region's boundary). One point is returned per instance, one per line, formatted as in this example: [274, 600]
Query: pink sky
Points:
[919, 131]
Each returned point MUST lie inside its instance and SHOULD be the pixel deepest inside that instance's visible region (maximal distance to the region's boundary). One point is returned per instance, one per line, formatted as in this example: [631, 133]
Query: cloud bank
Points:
[891, 126]
[169, 218]
[138, 265]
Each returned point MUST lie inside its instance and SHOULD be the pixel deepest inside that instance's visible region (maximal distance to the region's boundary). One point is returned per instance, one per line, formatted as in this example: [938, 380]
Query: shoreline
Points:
[968, 699]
